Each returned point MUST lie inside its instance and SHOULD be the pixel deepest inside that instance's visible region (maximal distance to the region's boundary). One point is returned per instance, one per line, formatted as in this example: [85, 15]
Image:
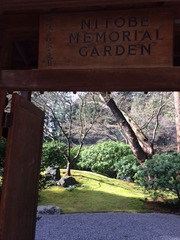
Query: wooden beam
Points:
[69, 5]
[2, 106]
[109, 79]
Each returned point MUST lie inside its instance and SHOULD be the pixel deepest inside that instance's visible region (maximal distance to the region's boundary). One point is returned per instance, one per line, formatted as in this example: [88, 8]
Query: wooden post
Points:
[21, 172]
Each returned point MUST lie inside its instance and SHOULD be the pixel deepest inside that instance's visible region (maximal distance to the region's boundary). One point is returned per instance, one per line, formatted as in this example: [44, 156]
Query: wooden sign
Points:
[106, 39]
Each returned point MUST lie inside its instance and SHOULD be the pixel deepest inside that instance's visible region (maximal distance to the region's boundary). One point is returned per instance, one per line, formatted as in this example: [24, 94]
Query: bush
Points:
[53, 153]
[161, 174]
[101, 158]
[127, 167]
[42, 182]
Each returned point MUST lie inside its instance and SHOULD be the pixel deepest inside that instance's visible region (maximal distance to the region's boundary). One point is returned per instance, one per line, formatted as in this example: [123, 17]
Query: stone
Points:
[67, 181]
[53, 173]
[49, 209]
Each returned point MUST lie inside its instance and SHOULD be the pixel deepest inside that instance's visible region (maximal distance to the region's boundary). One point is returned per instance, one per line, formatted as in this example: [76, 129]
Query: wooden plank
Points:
[18, 23]
[21, 173]
[109, 79]
[2, 106]
[20, 5]
[106, 39]
[20, 29]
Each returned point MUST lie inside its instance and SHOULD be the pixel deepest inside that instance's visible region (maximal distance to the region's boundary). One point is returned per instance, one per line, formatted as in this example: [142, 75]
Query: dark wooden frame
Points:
[118, 79]
[105, 79]
[74, 5]
[21, 172]
[19, 19]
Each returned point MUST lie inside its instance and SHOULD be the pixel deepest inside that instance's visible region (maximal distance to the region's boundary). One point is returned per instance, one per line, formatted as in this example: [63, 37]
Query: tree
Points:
[151, 117]
[154, 114]
[69, 118]
[177, 117]
[141, 153]
[144, 120]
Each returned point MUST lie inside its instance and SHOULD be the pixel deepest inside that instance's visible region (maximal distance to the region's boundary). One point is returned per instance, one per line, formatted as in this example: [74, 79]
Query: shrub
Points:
[161, 174]
[101, 158]
[42, 182]
[53, 153]
[127, 167]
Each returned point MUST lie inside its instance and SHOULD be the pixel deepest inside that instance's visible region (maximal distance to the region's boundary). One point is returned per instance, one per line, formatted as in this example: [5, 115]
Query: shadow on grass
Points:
[117, 185]
[86, 200]
[163, 206]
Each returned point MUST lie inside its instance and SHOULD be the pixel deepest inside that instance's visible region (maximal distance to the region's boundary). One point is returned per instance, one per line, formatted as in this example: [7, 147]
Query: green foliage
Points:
[161, 174]
[53, 153]
[127, 167]
[42, 182]
[101, 158]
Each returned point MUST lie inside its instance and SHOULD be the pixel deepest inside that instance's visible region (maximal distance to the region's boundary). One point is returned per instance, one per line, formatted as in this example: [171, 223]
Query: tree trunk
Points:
[68, 169]
[131, 136]
[146, 145]
[177, 117]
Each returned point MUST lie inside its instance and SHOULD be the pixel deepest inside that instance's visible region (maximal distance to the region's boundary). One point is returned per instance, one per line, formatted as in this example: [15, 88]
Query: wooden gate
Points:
[2, 106]
[21, 174]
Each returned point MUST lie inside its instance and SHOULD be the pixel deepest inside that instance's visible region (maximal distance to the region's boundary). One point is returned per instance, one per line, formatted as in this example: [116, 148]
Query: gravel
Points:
[109, 226]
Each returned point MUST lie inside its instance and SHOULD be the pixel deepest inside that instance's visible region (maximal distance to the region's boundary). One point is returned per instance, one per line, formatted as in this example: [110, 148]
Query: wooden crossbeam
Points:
[68, 5]
[109, 79]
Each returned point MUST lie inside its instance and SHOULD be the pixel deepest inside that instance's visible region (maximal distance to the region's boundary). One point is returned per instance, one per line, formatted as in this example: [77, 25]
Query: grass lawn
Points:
[96, 193]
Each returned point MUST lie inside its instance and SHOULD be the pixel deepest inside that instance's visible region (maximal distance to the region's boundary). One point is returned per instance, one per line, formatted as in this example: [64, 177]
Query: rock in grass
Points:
[50, 209]
[67, 181]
